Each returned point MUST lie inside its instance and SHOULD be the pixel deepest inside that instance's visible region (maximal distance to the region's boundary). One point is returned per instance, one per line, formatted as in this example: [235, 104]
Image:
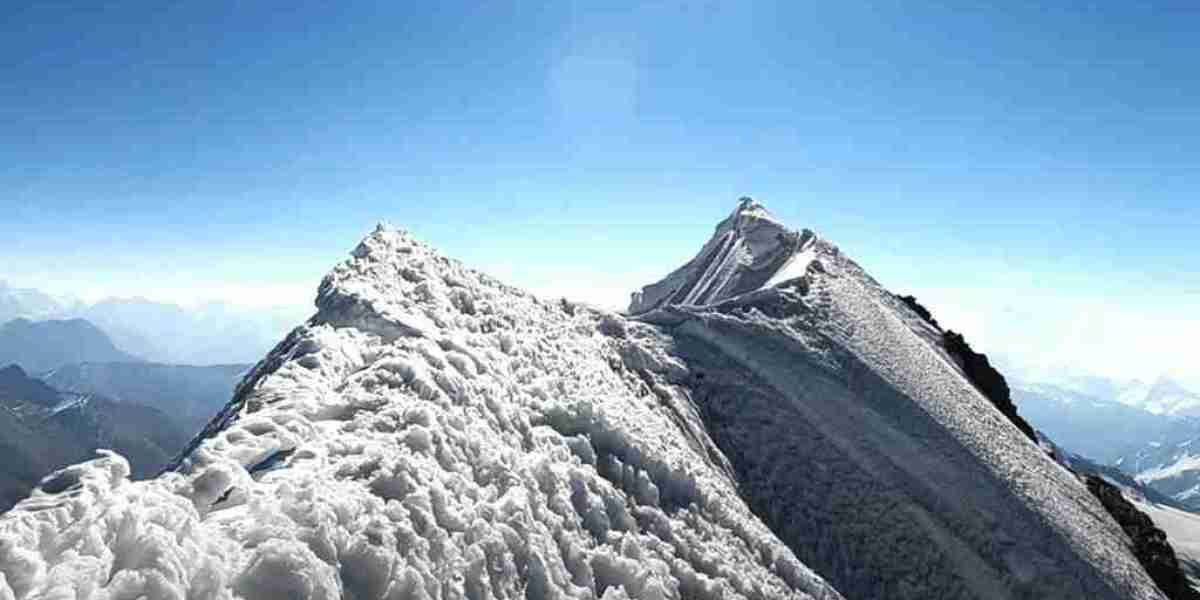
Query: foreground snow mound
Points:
[430, 433]
[859, 440]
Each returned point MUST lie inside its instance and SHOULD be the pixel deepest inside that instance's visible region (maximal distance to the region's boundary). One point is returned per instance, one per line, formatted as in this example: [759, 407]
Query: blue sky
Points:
[1031, 171]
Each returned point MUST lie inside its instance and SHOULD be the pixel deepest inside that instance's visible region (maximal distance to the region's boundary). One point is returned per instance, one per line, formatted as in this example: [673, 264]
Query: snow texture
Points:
[430, 433]
[859, 440]
[749, 250]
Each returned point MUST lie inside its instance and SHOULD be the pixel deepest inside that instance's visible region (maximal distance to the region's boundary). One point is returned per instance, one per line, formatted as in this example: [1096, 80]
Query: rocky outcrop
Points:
[1150, 544]
[977, 368]
[987, 379]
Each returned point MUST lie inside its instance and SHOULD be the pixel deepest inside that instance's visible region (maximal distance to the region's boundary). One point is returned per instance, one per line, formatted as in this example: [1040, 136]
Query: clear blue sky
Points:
[1019, 165]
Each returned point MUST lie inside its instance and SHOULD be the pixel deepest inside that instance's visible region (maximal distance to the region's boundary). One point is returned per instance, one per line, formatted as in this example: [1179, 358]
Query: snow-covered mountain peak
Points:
[748, 250]
[432, 433]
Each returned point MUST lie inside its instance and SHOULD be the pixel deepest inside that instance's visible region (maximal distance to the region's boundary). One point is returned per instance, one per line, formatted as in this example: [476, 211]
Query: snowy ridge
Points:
[430, 433]
[771, 413]
[831, 399]
[749, 250]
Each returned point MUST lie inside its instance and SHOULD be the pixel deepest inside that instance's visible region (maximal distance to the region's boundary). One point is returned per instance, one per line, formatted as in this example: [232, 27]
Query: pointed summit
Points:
[746, 252]
[760, 441]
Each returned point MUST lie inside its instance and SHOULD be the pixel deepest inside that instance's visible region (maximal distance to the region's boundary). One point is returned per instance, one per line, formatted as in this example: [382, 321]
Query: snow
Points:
[1183, 533]
[830, 400]
[1183, 463]
[1163, 397]
[770, 414]
[430, 433]
[749, 250]
[70, 402]
[795, 268]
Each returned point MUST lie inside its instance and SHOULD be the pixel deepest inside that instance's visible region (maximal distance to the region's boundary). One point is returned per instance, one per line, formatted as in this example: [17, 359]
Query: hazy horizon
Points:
[1027, 172]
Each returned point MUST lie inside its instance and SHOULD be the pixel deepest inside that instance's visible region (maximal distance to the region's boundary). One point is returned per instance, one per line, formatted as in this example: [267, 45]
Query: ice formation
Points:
[429, 433]
[769, 413]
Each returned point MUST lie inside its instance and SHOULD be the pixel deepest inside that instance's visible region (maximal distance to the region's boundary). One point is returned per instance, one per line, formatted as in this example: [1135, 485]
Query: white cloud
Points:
[1041, 333]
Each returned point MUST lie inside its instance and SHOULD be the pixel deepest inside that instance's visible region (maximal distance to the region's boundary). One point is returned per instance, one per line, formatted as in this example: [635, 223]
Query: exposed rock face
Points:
[772, 424]
[917, 307]
[986, 378]
[1149, 542]
[977, 368]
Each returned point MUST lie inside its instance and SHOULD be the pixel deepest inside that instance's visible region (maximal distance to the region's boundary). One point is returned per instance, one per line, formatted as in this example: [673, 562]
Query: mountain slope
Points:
[854, 397]
[1170, 463]
[1165, 535]
[1164, 396]
[432, 433]
[1100, 429]
[27, 303]
[43, 345]
[43, 429]
[189, 395]
[208, 334]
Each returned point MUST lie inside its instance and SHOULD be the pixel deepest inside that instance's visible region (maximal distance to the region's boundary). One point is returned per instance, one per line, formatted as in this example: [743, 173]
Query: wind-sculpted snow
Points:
[429, 434]
[750, 249]
[858, 439]
[434, 434]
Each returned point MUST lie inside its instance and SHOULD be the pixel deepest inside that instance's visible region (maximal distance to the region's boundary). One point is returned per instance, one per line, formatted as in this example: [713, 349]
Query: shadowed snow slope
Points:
[432, 433]
[858, 439]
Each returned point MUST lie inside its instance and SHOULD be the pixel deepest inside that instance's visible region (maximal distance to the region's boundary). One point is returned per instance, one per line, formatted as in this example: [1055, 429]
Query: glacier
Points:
[766, 422]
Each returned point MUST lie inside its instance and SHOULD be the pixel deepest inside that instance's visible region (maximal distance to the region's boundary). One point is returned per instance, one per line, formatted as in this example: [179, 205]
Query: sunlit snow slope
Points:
[430, 433]
[859, 440]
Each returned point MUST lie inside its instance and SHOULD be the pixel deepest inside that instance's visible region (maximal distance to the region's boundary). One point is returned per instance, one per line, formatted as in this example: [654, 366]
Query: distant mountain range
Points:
[212, 333]
[28, 303]
[766, 421]
[1101, 429]
[42, 429]
[39, 346]
[1179, 522]
[1169, 462]
[98, 395]
[1163, 396]
[191, 395]
[1148, 431]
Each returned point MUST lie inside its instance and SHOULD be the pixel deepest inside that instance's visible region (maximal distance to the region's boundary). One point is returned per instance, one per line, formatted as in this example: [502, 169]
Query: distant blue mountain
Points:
[39, 346]
[43, 429]
[190, 395]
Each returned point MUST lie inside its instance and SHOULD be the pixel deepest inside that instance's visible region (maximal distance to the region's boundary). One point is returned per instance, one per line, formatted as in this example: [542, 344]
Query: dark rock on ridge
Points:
[1149, 542]
[977, 368]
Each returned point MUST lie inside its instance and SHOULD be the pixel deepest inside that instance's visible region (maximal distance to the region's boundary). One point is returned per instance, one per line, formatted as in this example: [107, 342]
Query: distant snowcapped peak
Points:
[748, 250]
